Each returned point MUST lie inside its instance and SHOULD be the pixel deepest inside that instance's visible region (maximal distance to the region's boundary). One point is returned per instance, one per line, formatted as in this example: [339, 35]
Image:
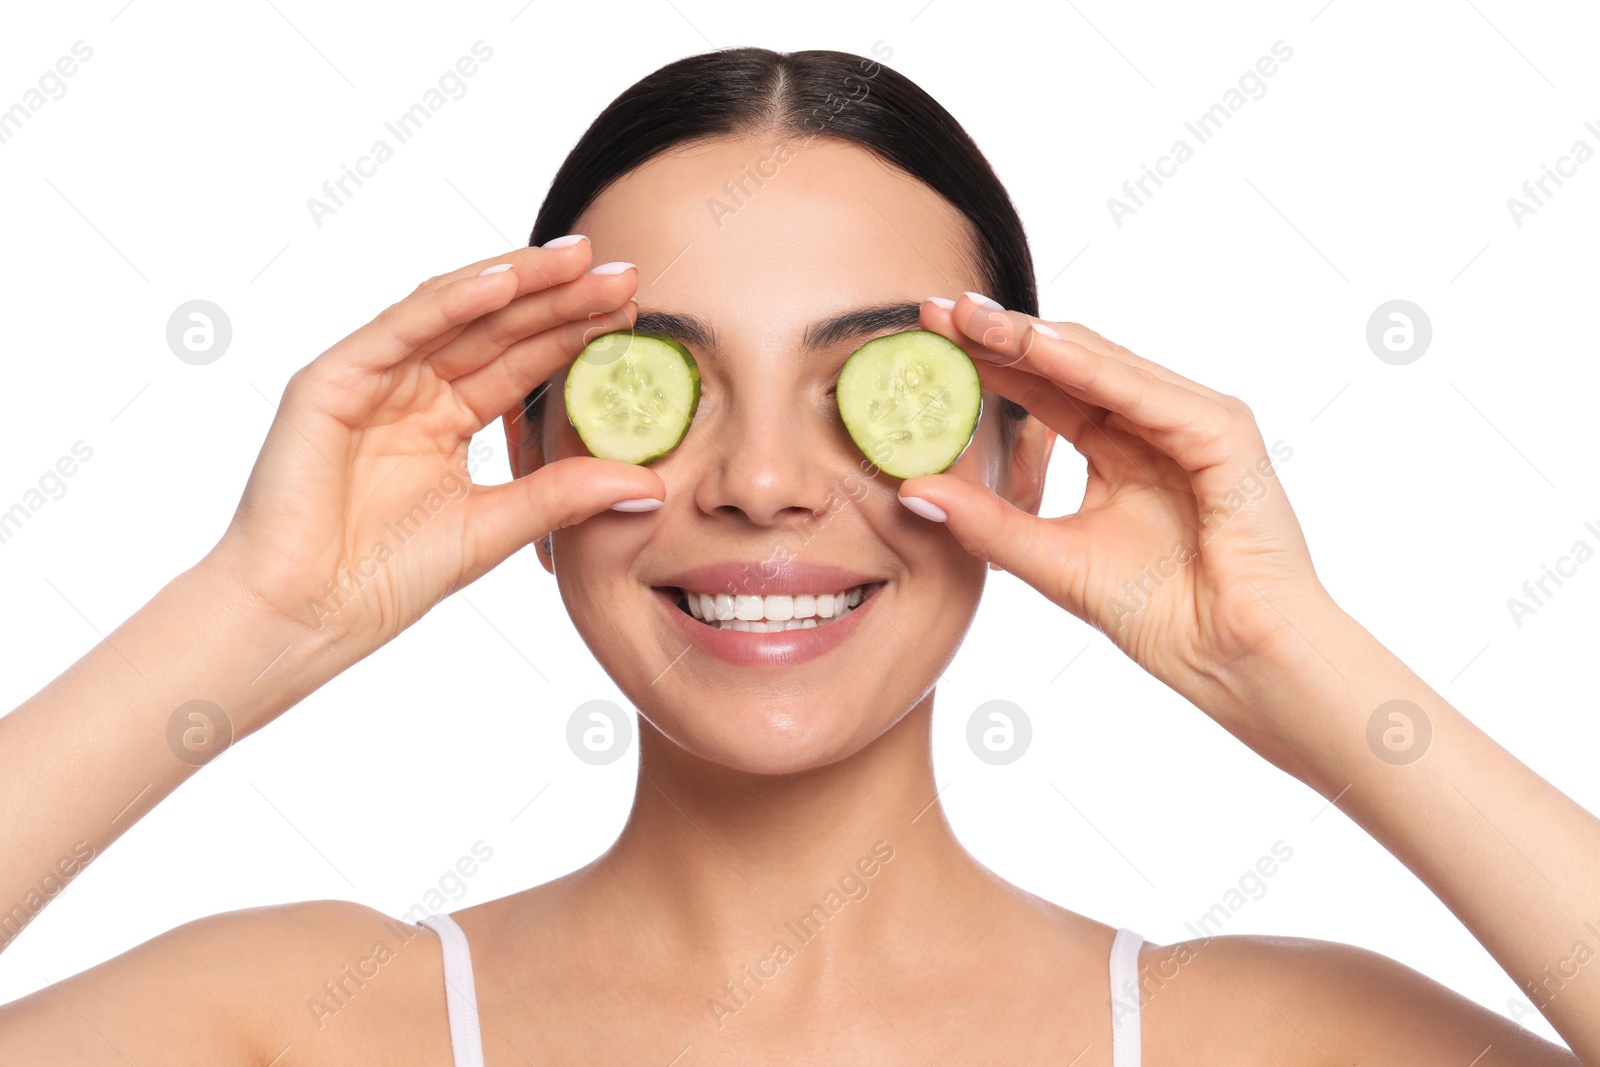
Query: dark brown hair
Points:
[817, 93]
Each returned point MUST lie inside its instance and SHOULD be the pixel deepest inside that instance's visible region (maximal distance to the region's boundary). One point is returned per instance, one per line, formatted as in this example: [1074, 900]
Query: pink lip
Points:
[784, 649]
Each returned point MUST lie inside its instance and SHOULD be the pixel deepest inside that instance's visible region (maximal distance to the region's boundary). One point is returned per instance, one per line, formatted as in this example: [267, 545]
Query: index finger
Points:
[1191, 426]
[1007, 333]
[1074, 418]
[1068, 411]
[534, 265]
[414, 325]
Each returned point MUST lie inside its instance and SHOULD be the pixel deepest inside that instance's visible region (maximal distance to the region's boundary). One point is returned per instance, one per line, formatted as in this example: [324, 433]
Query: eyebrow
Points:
[857, 322]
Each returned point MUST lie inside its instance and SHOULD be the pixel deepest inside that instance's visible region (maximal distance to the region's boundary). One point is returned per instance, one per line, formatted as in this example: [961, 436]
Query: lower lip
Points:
[782, 649]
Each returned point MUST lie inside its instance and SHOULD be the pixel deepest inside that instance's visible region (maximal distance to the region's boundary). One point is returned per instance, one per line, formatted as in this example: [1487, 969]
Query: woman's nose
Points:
[775, 461]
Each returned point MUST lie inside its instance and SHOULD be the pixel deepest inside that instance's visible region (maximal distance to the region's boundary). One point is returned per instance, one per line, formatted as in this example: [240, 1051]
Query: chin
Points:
[772, 735]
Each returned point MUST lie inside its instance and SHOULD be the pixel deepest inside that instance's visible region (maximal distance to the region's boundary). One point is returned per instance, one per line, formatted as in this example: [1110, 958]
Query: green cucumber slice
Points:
[911, 402]
[631, 396]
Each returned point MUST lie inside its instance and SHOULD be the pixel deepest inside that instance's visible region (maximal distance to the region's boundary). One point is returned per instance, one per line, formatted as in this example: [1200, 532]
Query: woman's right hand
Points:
[359, 514]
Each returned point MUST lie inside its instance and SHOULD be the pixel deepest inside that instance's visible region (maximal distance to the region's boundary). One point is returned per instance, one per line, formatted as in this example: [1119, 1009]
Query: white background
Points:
[1377, 166]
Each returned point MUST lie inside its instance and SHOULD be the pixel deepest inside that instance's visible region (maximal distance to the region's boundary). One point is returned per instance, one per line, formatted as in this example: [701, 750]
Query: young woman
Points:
[786, 888]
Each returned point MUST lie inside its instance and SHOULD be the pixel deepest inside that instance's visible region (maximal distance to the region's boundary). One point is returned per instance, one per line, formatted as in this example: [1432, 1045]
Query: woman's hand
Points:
[1185, 551]
[359, 514]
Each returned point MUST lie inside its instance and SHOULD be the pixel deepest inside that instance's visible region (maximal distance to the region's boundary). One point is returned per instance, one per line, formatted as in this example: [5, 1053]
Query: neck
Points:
[736, 862]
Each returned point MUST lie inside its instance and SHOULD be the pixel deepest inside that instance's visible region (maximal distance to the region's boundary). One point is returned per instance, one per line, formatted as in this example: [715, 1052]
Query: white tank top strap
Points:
[1125, 1050]
[461, 996]
[466, 1037]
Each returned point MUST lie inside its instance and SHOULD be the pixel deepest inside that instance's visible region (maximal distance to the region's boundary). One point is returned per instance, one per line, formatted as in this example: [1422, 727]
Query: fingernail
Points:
[615, 267]
[926, 508]
[939, 301]
[498, 268]
[643, 503]
[563, 242]
[979, 298]
[1047, 331]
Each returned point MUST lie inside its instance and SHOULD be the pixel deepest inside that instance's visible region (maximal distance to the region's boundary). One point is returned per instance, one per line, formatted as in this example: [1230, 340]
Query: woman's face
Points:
[754, 244]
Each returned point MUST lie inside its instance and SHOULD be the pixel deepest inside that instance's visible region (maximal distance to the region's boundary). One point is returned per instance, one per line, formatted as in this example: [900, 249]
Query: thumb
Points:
[505, 518]
[1039, 551]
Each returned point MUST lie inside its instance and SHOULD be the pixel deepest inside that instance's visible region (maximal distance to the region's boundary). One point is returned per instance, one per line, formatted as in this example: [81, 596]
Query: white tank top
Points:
[466, 1034]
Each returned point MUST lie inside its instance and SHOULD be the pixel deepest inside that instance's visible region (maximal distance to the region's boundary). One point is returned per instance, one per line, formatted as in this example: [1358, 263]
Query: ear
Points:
[1025, 467]
[1030, 457]
[525, 450]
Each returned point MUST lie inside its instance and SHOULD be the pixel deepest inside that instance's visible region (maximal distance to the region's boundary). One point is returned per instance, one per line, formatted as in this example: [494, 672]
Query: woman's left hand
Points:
[1184, 552]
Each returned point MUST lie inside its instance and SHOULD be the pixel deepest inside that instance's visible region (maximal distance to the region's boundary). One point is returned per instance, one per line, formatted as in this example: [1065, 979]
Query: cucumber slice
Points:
[911, 402]
[631, 396]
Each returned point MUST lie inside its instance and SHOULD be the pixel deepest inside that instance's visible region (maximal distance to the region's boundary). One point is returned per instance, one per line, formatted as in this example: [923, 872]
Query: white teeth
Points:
[774, 613]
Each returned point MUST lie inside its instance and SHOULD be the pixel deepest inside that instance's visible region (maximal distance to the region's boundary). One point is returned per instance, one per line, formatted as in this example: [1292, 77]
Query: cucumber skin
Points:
[694, 394]
[875, 450]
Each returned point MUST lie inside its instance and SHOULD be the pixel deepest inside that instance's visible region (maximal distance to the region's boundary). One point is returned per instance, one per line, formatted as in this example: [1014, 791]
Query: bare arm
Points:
[1187, 555]
[92, 752]
[1302, 1002]
[371, 437]
[280, 985]
[1514, 858]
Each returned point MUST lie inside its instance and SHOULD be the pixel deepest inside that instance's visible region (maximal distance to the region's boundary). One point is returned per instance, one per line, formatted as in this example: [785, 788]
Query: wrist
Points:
[269, 662]
[1299, 697]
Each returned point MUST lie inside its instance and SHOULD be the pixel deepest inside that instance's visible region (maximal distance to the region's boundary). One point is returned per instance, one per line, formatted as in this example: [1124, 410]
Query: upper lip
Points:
[766, 577]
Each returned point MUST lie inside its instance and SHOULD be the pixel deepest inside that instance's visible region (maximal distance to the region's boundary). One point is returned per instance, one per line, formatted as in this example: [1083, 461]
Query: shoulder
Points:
[1304, 1000]
[331, 979]
[341, 980]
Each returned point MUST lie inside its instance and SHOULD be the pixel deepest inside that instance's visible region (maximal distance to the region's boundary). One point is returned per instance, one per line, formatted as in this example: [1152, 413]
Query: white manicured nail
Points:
[644, 503]
[979, 298]
[616, 267]
[926, 508]
[498, 268]
[563, 242]
[1047, 331]
[943, 302]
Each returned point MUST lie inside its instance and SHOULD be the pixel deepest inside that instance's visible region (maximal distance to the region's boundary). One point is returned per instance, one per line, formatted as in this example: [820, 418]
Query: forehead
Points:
[753, 233]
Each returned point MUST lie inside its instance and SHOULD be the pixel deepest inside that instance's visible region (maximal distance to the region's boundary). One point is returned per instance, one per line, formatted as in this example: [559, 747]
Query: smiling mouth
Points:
[771, 613]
